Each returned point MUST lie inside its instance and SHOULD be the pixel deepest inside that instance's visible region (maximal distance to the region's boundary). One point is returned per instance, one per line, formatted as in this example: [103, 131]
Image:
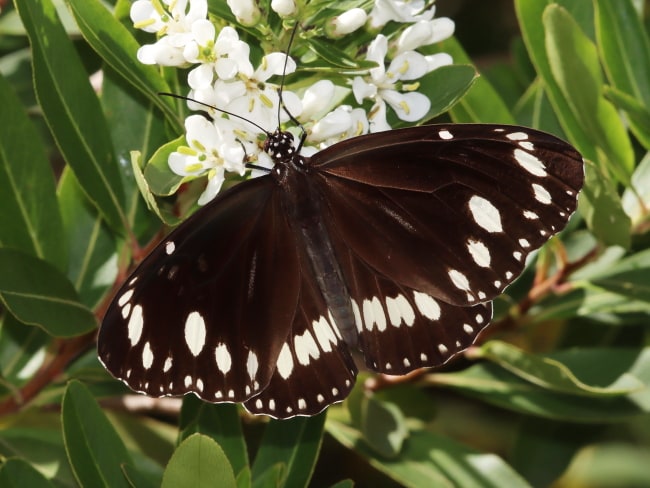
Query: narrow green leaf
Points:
[29, 220]
[221, 422]
[600, 205]
[292, 443]
[636, 198]
[18, 473]
[95, 451]
[379, 418]
[530, 15]
[611, 464]
[199, 462]
[629, 277]
[494, 385]
[433, 460]
[481, 103]
[38, 294]
[551, 374]
[72, 110]
[92, 267]
[147, 194]
[23, 350]
[160, 178]
[444, 87]
[625, 49]
[582, 86]
[117, 46]
[638, 115]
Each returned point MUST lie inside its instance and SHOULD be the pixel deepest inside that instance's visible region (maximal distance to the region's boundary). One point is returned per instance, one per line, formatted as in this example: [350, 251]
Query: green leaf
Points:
[600, 205]
[72, 110]
[161, 180]
[293, 444]
[530, 15]
[608, 465]
[95, 451]
[18, 473]
[625, 49]
[581, 84]
[381, 422]
[23, 350]
[599, 367]
[199, 462]
[551, 374]
[38, 294]
[444, 87]
[636, 198]
[481, 103]
[29, 220]
[37, 439]
[433, 460]
[147, 194]
[638, 115]
[628, 277]
[115, 44]
[92, 266]
[221, 422]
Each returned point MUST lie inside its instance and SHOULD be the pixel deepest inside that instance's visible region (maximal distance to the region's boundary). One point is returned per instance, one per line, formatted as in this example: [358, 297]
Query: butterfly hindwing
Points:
[315, 368]
[203, 312]
[451, 211]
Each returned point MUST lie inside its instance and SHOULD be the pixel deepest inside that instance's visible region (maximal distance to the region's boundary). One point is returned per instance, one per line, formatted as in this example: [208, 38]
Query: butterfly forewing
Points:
[454, 210]
[204, 312]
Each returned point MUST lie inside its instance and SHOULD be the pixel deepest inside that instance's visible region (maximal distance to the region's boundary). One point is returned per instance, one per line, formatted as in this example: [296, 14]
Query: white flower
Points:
[399, 11]
[423, 33]
[212, 149]
[284, 8]
[246, 11]
[316, 99]
[381, 86]
[167, 16]
[227, 56]
[172, 20]
[257, 100]
[341, 123]
[346, 23]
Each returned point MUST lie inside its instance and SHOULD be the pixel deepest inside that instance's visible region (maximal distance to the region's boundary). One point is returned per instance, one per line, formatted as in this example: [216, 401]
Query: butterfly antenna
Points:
[281, 104]
[188, 99]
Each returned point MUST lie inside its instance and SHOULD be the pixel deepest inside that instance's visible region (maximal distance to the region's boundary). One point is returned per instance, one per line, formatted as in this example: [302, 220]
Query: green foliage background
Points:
[557, 391]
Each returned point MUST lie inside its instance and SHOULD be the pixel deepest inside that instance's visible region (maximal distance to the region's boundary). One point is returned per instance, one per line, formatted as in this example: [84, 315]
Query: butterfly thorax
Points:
[279, 145]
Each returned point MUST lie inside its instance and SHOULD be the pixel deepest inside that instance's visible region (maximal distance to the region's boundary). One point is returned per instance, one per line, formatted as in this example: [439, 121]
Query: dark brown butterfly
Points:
[393, 243]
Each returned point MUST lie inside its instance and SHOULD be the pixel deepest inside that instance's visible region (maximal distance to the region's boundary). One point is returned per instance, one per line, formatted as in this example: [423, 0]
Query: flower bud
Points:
[346, 23]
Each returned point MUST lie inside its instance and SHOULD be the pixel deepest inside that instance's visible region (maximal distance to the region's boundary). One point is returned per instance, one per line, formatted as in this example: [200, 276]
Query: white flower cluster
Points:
[223, 76]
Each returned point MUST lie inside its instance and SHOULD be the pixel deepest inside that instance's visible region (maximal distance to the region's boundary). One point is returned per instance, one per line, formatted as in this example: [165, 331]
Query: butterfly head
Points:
[279, 146]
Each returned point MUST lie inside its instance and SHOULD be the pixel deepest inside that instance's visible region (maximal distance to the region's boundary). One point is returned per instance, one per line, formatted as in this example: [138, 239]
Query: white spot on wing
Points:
[168, 364]
[357, 315]
[530, 163]
[459, 280]
[541, 195]
[443, 349]
[399, 309]
[302, 404]
[480, 253]
[324, 334]
[485, 214]
[285, 362]
[427, 305]
[468, 328]
[252, 364]
[135, 325]
[195, 333]
[147, 356]
[517, 136]
[527, 145]
[170, 247]
[126, 296]
[524, 243]
[445, 134]
[223, 358]
[378, 312]
[530, 215]
[305, 347]
[126, 310]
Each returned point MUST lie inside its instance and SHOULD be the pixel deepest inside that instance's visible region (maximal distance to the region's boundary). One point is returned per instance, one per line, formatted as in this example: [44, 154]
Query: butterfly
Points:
[391, 243]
